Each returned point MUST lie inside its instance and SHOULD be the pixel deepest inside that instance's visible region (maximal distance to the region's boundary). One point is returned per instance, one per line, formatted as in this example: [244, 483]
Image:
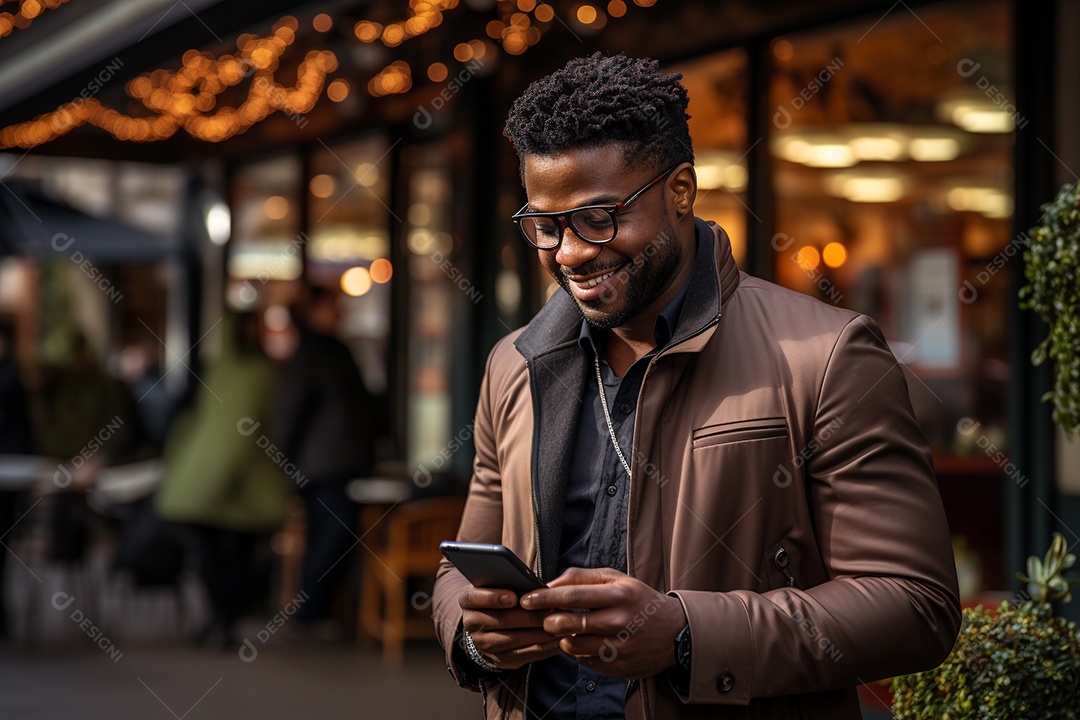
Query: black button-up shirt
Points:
[594, 521]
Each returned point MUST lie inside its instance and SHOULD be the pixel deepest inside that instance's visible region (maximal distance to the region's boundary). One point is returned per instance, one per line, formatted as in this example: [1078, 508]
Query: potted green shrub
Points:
[1019, 661]
[1052, 267]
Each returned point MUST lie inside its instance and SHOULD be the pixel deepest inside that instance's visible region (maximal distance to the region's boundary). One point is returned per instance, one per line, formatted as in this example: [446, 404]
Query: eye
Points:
[545, 226]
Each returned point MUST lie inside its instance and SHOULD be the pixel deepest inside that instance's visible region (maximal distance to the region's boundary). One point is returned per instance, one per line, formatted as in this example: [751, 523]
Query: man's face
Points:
[615, 282]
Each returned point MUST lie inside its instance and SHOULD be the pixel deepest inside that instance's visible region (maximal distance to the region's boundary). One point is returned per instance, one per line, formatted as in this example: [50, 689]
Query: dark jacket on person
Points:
[324, 415]
[782, 490]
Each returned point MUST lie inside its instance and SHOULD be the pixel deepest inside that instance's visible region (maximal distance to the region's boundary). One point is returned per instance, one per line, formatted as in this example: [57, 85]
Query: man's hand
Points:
[627, 628]
[504, 632]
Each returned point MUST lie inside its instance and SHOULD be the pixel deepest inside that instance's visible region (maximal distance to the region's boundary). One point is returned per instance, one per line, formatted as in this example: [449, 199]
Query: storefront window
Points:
[435, 280]
[266, 240]
[348, 244]
[717, 87]
[893, 195]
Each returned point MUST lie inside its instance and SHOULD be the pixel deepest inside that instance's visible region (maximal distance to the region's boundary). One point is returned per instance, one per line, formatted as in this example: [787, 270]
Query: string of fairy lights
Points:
[188, 98]
[29, 10]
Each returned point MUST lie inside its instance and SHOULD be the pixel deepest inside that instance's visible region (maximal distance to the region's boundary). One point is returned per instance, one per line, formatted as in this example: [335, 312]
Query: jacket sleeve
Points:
[890, 605]
[482, 521]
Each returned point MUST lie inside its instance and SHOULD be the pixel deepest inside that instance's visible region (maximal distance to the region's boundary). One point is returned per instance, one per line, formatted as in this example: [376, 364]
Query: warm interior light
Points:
[867, 187]
[721, 169]
[356, 281]
[322, 186]
[834, 254]
[830, 156]
[808, 257]
[322, 22]
[367, 174]
[988, 201]
[616, 8]
[934, 149]
[882, 147]
[983, 120]
[381, 270]
[275, 207]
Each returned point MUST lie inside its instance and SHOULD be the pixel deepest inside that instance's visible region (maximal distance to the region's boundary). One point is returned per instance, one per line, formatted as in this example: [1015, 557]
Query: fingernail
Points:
[506, 599]
[527, 600]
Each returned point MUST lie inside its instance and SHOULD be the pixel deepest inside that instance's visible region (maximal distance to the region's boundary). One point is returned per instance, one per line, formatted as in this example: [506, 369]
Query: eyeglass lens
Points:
[592, 224]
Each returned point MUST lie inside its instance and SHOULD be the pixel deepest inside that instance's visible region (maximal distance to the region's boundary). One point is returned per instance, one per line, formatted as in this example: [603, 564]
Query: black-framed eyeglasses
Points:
[592, 223]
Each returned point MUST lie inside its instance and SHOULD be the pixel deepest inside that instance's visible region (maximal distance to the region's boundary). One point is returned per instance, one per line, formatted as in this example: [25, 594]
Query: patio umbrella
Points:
[33, 224]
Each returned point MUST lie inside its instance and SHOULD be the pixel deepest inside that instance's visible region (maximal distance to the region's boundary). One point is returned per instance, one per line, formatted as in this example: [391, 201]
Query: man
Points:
[324, 419]
[721, 481]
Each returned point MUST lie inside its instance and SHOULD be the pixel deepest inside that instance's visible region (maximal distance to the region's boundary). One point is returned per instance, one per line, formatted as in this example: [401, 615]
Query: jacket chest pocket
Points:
[728, 492]
[740, 431]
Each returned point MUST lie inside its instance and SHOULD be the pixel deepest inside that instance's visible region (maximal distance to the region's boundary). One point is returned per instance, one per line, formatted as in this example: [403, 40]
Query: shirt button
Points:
[611, 490]
[591, 685]
[725, 683]
[626, 408]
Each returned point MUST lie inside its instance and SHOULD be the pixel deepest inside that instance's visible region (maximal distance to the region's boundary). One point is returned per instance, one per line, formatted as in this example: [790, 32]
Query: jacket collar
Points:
[713, 281]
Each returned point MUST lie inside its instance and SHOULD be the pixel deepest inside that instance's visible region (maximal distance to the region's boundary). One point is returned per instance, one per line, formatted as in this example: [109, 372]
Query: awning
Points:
[35, 225]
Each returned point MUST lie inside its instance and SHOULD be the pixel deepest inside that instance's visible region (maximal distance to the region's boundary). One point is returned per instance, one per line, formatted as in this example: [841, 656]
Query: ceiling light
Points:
[934, 149]
[867, 187]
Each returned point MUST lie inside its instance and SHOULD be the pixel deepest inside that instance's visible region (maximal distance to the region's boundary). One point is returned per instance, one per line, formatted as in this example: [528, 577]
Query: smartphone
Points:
[491, 566]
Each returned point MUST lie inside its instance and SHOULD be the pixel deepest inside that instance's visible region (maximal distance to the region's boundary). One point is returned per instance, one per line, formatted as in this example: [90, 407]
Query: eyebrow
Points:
[597, 200]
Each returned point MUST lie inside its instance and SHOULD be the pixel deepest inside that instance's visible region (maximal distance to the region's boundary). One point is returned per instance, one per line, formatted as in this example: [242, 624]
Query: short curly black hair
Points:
[601, 99]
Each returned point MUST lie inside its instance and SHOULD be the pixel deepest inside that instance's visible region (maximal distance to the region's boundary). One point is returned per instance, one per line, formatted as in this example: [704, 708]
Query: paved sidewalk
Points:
[150, 680]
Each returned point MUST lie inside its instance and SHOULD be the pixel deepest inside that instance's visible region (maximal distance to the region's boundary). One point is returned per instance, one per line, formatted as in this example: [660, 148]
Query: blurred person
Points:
[16, 438]
[89, 420]
[324, 421]
[219, 481]
[139, 368]
[721, 481]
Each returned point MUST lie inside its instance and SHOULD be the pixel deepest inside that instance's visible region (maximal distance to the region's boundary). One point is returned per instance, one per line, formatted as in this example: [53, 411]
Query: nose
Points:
[574, 251]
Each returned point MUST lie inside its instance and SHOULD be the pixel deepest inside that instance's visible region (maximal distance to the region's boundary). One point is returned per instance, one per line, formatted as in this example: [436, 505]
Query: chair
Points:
[410, 549]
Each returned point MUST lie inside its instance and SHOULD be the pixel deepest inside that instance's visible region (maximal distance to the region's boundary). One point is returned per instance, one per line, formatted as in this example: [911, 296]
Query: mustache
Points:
[589, 268]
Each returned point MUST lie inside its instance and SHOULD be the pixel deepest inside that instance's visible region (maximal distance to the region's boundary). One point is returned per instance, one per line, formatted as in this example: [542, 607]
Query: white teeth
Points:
[596, 281]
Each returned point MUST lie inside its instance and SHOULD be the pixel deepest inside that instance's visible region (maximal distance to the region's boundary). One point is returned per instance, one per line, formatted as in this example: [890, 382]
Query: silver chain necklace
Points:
[607, 416]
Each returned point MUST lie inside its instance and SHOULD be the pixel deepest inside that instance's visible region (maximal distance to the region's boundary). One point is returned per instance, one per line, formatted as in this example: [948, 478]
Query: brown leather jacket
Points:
[782, 490]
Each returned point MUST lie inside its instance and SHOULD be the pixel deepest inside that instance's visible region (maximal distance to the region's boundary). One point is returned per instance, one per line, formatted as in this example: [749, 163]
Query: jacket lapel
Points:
[557, 373]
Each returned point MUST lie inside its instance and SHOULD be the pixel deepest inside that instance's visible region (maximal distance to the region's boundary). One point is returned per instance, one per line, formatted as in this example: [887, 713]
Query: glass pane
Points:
[267, 242]
[717, 87]
[349, 244]
[434, 281]
[893, 195]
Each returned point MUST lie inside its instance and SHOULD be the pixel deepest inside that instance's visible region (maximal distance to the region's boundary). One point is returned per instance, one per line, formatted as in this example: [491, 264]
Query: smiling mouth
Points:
[593, 282]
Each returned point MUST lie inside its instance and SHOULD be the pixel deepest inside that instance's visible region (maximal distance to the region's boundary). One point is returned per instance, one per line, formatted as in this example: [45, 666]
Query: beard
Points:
[641, 279]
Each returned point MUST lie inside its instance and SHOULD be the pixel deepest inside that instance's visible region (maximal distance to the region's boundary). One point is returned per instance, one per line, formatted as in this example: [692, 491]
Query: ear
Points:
[683, 183]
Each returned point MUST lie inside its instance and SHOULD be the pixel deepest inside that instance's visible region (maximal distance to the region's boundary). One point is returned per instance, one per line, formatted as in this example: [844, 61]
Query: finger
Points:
[512, 619]
[586, 576]
[497, 643]
[597, 622]
[514, 659]
[588, 646]
[567, 597]
[482, 598]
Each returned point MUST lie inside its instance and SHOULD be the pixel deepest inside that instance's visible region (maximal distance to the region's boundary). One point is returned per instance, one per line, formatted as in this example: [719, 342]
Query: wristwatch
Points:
[682, 648]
